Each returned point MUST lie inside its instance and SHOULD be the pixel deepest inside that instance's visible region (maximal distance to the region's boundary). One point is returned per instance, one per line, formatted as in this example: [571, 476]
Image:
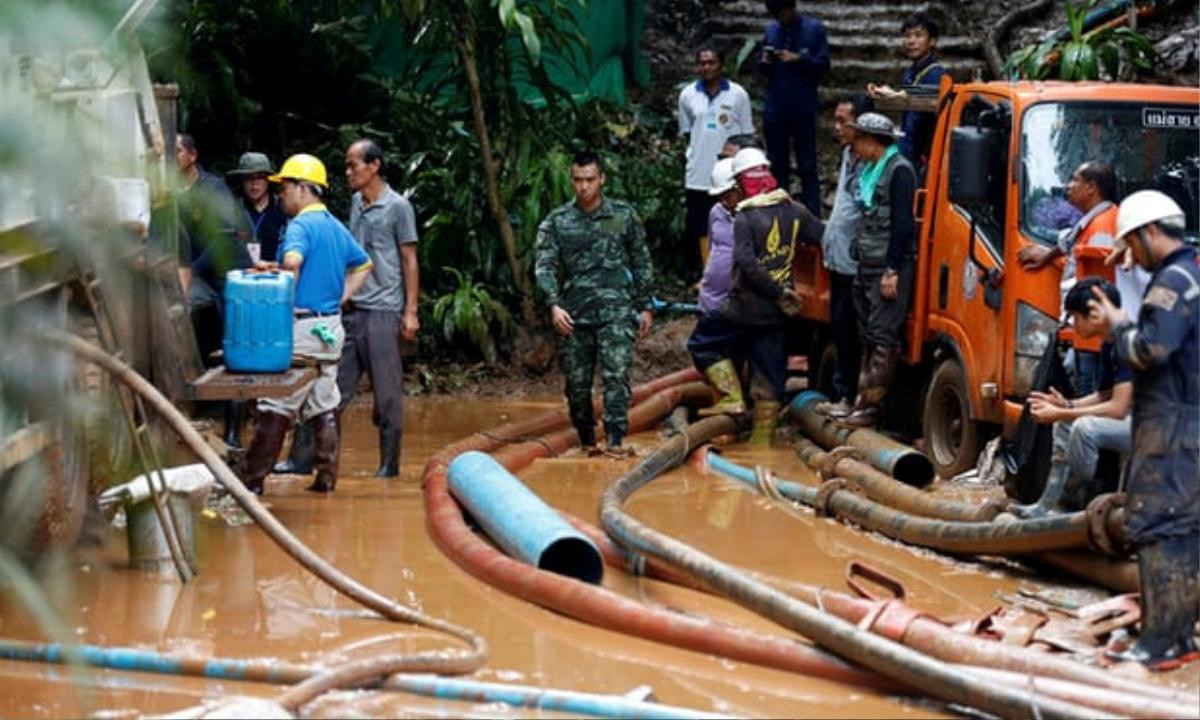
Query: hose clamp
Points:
[842, 452]
[826, 490]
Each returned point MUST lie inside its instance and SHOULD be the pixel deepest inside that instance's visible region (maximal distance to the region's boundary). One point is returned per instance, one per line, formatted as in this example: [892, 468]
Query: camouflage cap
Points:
[252, 163]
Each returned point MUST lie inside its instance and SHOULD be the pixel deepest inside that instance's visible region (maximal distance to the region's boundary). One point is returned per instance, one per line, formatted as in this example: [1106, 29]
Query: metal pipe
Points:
[517, 444]
[1016, 537]
[895, 459]
[518, 520]
[355, 674]
[873, 651]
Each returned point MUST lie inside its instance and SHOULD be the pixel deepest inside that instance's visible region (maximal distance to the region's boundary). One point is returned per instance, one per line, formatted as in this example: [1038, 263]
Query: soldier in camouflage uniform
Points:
[594, 268]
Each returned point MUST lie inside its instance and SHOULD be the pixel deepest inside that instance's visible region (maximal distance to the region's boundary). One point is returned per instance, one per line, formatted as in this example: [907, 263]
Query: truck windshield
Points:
[1149, 146]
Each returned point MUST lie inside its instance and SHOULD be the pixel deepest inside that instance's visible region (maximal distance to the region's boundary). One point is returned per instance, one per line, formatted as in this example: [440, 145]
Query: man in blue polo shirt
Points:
[715, 117]
[329, 267]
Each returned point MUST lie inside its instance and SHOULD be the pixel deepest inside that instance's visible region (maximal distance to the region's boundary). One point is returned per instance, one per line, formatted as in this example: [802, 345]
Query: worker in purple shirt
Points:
[714, 285]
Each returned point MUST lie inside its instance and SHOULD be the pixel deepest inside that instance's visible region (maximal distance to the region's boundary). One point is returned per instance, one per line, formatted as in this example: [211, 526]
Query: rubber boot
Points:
[724, 379]
[300, 458]
[879, 377]
[389, 454]
[845, 406]
[763, 422]
[1167, 571]
[234, 410]
[1051, 495]
[264, 448]
[614, 449]
[325, 459]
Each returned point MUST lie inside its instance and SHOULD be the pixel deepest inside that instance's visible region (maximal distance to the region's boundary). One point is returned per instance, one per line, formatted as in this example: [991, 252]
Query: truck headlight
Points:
[1034, 333]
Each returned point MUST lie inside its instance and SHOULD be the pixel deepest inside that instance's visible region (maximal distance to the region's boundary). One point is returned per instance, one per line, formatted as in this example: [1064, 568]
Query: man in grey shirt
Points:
[840, 229]
[385, 309]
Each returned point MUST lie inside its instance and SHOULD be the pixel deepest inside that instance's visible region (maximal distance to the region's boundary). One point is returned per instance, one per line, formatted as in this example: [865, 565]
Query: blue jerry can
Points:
[258, 321]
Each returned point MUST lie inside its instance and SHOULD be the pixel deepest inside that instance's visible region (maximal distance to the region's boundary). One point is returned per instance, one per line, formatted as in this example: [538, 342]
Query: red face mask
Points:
[756, 181]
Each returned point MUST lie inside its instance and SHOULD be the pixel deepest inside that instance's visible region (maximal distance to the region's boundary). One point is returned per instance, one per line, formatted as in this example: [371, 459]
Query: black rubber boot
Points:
[389, 454]
[587, 439]
[234, 410]
[1051, 497]
[268, 439]
[613, 448]
[1167, 570]
[326, 431]
[300, 458]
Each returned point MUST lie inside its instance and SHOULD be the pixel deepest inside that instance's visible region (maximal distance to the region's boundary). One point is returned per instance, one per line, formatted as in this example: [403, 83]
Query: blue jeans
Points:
[718, 338]
[1078, 444]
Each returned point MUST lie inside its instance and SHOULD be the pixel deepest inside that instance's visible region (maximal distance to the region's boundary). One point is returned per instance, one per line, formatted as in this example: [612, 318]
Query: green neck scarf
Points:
[870, 176]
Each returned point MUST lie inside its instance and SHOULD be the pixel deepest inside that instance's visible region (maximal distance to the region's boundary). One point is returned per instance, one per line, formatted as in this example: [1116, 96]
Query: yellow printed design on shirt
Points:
[778, 261]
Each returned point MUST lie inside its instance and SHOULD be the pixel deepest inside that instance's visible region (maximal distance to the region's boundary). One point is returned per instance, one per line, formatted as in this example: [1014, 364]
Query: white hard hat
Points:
[748, 158]
[722, 180]
[1142, 208]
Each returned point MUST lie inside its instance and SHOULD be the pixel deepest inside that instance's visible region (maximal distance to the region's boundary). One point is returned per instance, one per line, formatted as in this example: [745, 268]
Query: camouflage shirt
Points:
[594, 265]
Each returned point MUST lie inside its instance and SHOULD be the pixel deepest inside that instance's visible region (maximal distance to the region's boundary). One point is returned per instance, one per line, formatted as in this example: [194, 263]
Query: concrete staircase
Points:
[864, 38]
[864, 43]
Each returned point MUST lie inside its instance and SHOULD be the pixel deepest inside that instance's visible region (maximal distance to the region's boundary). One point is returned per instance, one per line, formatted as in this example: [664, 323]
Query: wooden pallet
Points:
[220, 384]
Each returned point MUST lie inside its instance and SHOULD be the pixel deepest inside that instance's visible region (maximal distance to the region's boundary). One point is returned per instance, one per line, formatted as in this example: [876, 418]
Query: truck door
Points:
[967, 247]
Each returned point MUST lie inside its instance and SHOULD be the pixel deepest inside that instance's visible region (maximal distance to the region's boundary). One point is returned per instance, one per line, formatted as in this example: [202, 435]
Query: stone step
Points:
[825, 11]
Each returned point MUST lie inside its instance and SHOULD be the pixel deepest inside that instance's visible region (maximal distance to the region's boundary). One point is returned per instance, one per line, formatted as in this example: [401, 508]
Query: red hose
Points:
[597, 605]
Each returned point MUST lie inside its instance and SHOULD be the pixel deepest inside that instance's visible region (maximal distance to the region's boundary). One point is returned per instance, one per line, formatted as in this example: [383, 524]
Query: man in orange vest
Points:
[1093, 189]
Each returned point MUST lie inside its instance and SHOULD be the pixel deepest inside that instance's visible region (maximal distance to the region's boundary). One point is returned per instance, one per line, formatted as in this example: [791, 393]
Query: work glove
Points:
[790, 303]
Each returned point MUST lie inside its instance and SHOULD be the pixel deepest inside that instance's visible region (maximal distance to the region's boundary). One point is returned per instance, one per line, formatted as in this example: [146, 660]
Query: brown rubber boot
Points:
[724, 379]
[763, 422]
[268, 439]
[326, 430]
[845, 406]
[879, 378]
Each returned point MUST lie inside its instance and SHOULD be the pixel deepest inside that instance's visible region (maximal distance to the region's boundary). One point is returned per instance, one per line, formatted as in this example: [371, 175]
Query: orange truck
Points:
[999, 164]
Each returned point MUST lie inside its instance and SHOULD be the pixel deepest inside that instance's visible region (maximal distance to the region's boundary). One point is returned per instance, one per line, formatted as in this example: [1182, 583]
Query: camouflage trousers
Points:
[611, 343]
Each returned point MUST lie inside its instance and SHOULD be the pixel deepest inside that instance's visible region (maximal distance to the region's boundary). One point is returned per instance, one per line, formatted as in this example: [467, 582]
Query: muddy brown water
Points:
[252, 601]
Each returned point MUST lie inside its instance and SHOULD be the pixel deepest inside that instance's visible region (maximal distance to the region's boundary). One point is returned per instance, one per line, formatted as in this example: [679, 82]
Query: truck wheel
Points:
[951, 436]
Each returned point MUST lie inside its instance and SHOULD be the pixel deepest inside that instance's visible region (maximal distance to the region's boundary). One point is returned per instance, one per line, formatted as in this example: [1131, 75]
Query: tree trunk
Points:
[466, 49]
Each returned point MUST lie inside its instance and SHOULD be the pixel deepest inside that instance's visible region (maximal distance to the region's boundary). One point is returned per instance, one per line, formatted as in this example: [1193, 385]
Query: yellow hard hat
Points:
[302, 167]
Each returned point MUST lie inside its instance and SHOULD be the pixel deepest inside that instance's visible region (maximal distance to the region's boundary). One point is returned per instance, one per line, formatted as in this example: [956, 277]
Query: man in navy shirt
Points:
[795, 55]
[1083, 426]
[920, 34]
[329, 267]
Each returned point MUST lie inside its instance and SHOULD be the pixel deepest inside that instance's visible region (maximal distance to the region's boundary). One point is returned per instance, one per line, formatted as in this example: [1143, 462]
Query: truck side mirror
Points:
[970, 165]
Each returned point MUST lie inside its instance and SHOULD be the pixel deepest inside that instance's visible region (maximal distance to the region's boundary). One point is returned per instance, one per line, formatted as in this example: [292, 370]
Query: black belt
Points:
[310, 313]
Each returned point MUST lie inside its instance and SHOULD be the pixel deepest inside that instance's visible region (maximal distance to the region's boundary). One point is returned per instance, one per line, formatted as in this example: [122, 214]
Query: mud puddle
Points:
[252, 601]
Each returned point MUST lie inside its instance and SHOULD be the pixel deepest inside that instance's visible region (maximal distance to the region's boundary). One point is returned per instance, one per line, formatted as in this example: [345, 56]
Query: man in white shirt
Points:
[714, 114]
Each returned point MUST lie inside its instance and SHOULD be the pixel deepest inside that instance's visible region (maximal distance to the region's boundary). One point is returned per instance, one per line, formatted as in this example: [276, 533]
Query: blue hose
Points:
[135, 660]
[789, 489]
[662, 306]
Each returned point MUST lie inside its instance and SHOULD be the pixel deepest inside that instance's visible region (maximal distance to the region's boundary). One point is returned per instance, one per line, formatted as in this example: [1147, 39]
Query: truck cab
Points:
[998, 167]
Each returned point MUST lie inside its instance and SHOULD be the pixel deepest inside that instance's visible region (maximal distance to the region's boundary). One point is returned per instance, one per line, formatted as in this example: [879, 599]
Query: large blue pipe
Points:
[517, 519]
[896, 459]
[135, 660]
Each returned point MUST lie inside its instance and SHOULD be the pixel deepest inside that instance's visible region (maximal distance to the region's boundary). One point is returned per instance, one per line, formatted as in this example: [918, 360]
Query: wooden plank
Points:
[219, 384]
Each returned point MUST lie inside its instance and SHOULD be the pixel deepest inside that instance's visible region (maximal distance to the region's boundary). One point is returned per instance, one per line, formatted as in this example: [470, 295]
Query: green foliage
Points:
[1105, 53]
[469, 311]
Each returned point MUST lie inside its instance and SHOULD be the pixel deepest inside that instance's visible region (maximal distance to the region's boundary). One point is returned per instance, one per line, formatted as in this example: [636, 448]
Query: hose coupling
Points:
[1102, 534]
[830, 460]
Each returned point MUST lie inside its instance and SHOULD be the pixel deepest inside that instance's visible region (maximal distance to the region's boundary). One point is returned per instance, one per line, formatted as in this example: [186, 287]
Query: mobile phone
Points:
[768, 50]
